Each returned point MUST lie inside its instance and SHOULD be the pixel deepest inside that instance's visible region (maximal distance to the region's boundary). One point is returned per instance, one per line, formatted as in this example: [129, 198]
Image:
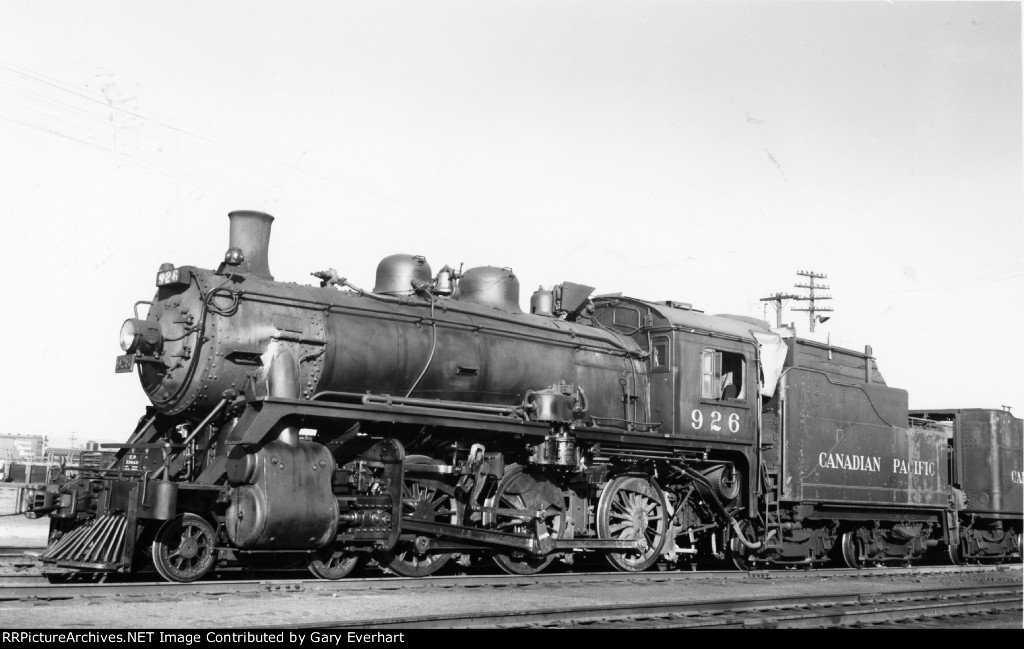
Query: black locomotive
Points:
[431, 418]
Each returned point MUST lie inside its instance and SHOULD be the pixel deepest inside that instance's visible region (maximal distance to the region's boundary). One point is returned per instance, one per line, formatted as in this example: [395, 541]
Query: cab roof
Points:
[682, 317]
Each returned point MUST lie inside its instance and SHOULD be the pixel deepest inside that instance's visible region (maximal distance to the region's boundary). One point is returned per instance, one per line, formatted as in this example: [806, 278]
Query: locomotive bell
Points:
[542, 302]
[443, 285]
[397, 274]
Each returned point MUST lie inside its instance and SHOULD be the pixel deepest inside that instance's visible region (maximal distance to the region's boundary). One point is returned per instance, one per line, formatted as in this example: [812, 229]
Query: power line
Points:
[778, 301]
[812, 297]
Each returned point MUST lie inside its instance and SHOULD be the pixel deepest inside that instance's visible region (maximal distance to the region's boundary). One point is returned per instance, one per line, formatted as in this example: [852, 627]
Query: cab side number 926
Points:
[714, 421]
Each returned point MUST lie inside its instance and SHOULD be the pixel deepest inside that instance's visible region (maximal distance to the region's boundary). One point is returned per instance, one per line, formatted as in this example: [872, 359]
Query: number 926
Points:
[714, 421]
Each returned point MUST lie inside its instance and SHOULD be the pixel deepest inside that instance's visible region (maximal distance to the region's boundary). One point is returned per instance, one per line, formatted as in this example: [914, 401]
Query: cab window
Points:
[659, 353]
[721, 375]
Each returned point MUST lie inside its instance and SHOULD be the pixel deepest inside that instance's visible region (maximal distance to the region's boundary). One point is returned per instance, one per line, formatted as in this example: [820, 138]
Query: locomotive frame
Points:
[430, 419]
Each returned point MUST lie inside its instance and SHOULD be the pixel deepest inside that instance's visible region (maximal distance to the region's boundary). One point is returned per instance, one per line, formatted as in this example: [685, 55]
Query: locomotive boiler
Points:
[431, 419]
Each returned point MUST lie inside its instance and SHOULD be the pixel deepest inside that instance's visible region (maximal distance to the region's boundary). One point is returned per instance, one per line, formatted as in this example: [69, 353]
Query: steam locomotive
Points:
[432, 420]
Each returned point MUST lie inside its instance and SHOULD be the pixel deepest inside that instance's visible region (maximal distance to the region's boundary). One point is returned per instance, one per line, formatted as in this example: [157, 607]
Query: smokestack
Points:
[250, 233]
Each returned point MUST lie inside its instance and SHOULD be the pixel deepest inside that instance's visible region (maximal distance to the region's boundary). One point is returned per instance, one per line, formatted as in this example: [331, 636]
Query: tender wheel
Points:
[329, 563]
[849, 549]
[427, 500]
[520, 492]
[184, 548]
[633, 507]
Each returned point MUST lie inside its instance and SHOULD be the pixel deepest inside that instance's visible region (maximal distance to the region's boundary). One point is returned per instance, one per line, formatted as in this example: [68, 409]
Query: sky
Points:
[695, 151]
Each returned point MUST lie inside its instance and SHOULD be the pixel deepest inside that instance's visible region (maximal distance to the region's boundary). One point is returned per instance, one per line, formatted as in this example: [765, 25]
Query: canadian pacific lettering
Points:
[913, 467]
[849, 462]
[874, 464]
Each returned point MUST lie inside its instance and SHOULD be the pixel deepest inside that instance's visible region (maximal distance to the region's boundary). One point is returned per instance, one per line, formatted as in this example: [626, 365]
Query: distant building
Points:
[22, 448]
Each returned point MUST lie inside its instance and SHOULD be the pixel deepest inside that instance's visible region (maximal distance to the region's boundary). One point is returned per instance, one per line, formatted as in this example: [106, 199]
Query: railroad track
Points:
[18, 554]
[19, 565]
[33, 587]
[768, 612]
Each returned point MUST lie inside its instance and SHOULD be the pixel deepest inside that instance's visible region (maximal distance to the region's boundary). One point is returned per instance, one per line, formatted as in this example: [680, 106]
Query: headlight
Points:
[140, 334]
[128, 338]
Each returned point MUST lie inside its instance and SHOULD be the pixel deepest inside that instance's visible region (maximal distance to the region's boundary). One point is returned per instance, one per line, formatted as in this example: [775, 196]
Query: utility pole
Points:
[778, 300]
[812, 297]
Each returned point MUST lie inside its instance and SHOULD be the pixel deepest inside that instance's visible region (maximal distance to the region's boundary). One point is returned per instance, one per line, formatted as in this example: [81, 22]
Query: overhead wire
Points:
[247, 152]
[993, 272]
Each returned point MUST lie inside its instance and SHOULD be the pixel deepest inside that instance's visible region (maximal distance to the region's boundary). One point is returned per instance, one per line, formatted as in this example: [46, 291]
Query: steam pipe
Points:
[283, 382]
[451, 405]
[226, 398]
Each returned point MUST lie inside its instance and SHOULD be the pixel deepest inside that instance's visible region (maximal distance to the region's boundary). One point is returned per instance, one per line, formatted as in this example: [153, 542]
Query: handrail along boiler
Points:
[431, 419]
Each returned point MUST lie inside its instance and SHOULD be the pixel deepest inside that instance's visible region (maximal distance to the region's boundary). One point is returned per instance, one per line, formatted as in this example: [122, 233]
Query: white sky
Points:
[696, 151]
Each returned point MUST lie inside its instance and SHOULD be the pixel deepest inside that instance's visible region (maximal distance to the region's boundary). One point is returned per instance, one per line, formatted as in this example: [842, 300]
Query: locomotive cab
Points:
[703, 372]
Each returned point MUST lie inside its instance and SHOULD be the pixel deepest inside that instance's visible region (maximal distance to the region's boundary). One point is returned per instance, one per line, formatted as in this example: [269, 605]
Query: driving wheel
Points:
[516, 502]
[423, 499]
[633, 508]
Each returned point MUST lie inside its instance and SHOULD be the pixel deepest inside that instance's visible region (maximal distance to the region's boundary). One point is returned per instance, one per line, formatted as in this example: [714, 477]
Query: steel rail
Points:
[894, 612]
[766, 612]
[62, 591]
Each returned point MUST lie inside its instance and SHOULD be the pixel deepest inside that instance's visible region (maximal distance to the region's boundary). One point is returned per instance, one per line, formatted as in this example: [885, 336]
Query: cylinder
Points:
[289, 503]
[240, 466]
[250, 233]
